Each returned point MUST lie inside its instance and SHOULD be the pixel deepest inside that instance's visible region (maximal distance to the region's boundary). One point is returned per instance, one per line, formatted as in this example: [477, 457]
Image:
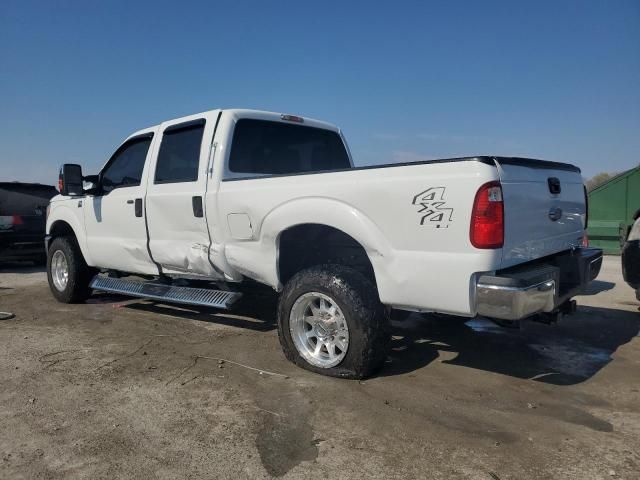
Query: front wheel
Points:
[330, 321]
[67, 272]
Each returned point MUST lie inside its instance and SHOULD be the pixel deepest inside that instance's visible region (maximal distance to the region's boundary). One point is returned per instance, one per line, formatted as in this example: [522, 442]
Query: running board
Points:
[166, 293]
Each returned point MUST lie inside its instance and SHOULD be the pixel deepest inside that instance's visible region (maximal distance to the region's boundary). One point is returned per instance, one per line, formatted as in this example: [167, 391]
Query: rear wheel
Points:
[330, 321]
[67, 272]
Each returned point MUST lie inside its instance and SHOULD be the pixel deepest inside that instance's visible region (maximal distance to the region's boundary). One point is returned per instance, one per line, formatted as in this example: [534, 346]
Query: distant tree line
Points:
[598, 179]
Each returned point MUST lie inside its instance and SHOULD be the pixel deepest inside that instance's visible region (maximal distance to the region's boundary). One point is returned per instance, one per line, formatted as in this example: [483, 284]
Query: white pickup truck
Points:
[187, 210]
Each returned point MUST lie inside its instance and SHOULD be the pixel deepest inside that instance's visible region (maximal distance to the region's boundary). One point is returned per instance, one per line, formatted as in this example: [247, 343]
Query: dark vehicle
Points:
[23, 214]
[631, 256]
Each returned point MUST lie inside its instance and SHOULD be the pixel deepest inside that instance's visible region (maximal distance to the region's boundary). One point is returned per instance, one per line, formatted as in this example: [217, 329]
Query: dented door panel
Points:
[178, 233]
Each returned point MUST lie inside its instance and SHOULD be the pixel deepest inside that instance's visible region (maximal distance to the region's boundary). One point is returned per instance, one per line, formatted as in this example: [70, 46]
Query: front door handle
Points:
[130, 202]
[196, 204]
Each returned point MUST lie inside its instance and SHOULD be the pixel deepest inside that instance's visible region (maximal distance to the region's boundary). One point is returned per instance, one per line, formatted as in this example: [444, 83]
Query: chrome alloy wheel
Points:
[319, 330]
[59, 270]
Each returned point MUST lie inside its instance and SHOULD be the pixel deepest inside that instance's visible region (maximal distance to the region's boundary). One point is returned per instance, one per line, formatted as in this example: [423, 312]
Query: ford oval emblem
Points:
[555, 214]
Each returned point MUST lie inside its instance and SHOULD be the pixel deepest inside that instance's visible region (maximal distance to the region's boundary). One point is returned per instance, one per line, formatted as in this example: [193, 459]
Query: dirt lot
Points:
[134, 389]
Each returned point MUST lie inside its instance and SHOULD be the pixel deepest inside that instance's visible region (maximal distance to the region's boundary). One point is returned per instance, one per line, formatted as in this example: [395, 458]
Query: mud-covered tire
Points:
[357, 298]
[79, 274]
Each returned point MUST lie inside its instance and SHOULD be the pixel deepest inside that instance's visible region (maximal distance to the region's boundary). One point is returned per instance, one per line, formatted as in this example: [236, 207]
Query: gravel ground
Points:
[120, 388]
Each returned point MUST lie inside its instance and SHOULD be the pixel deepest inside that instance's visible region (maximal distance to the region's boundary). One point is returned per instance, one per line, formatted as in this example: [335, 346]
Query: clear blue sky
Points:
[557, 79]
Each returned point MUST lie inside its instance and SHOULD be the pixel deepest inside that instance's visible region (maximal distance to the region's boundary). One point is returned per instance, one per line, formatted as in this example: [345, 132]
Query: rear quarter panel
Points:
[412, 220]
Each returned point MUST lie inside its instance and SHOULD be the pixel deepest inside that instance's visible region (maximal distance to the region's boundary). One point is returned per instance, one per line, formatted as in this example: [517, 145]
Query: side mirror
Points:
[70, 179]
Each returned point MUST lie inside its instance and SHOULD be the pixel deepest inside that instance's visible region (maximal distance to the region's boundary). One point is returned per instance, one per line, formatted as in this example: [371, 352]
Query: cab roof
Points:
[238, 113]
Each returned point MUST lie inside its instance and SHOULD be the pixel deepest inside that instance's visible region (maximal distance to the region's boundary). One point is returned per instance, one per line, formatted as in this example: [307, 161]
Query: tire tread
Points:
[80, 273]
[353, 290]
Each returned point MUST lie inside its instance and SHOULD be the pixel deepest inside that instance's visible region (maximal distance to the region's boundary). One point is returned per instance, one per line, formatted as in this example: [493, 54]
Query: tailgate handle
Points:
[554, 185]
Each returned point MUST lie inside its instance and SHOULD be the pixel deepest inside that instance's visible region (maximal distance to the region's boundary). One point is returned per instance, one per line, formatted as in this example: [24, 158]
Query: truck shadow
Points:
[567, 353]
[564, 354]
[22, 267]
[256, 312]
[597, 286]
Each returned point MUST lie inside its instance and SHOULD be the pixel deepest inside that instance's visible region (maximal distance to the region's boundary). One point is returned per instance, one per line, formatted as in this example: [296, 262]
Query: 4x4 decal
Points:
[433, 210]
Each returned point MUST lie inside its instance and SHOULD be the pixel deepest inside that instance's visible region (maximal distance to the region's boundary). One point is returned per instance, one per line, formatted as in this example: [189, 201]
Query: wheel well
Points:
[61, 229]
[309, 244]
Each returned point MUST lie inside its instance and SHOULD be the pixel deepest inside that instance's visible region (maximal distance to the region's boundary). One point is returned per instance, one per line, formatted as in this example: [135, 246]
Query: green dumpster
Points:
[612, 206]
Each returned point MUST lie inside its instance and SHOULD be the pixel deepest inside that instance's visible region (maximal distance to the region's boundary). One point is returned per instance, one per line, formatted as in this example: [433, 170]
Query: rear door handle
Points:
[138, 207]
[196, 204]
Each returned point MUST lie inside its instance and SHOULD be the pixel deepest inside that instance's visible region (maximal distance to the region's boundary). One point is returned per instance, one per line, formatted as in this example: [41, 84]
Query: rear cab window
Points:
[263, 148]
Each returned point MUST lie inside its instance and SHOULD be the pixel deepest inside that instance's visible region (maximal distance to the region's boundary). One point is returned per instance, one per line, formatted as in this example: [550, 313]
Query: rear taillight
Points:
[585, 239]
[7, 221]
[487, 217]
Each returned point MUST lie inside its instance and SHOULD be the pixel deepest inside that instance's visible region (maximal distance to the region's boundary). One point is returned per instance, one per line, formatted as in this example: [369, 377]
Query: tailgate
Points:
[544, 208]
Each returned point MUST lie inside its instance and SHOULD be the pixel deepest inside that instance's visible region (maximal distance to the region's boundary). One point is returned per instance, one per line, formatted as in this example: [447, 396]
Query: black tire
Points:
[366, 319]
[77, 287]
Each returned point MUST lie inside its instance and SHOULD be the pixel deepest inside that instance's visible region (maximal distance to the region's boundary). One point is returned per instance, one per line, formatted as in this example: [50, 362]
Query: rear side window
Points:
[179, 154]
[272, 148]
[125, 167]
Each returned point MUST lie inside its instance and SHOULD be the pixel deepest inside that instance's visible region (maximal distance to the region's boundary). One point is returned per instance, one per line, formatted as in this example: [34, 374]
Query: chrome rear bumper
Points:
[514, 303]
[522, 291]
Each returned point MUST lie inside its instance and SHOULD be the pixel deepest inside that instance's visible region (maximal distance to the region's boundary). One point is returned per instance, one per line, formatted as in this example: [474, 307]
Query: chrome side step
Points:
[166, 293]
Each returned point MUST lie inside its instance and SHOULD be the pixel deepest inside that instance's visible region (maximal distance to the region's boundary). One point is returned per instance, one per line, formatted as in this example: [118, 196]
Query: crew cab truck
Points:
[187, 210]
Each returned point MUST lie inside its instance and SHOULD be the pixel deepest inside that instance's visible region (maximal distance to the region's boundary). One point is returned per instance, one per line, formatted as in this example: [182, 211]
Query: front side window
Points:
[263, 147]
[179, 154]
[125, 167]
